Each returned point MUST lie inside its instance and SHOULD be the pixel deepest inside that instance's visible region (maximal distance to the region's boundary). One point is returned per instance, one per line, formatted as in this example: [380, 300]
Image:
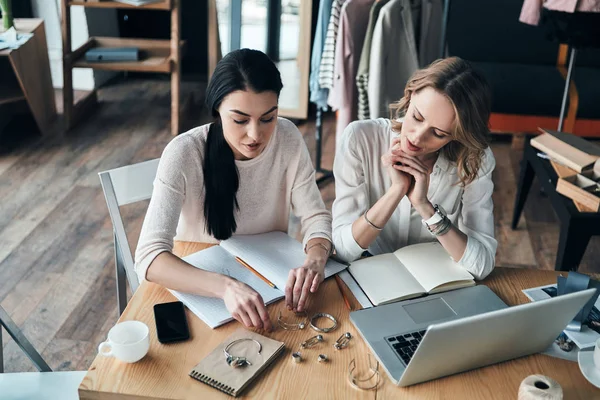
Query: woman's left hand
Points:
[417, 194]
[304, 280]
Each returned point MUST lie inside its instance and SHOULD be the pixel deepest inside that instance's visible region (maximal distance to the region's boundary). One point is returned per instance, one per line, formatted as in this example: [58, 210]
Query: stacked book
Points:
[139, 2]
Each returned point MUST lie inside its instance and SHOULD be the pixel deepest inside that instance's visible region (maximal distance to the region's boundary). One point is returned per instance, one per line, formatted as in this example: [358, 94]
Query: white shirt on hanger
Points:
[361, 180]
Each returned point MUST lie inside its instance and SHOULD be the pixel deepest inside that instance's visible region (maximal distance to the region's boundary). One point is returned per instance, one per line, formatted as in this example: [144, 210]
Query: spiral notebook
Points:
[213, 370]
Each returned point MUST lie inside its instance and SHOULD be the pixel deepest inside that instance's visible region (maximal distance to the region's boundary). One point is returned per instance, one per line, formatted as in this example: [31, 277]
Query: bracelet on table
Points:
[323, 315]
[327, 249]
[369, 222]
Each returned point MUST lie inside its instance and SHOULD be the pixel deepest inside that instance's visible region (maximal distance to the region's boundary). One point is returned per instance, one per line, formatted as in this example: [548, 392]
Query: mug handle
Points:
[103, 346]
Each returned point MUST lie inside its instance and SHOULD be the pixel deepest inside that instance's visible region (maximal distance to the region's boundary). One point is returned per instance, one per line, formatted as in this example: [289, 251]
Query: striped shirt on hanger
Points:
[326, 69]
[362, 75]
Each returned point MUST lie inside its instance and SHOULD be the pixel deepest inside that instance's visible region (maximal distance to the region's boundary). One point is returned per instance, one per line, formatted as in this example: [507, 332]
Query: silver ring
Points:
[323, 315]
[235, 361]
[297, 357]
[292, 327]
[322, 358]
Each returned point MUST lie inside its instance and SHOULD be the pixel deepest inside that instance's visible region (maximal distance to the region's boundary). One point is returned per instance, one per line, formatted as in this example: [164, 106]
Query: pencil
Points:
[338, 280]
[255, 272]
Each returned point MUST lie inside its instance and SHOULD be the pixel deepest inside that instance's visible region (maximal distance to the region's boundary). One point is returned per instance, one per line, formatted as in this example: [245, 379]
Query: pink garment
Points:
[343, 96]
[530, 13]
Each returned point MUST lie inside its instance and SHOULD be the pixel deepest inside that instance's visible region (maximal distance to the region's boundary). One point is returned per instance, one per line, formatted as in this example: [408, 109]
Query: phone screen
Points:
[171, 323]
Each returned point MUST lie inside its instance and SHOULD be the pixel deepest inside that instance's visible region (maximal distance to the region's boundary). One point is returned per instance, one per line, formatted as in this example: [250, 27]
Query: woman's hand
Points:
[399, 179]
[246, 305]
[417, 193]
[306, 278]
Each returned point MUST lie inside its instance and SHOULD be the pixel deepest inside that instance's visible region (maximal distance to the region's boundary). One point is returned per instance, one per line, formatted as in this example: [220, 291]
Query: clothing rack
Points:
[327, 174]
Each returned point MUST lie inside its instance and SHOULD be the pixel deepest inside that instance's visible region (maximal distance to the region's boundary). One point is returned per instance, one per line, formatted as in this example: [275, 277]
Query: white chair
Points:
[122, 186]
[43, 385]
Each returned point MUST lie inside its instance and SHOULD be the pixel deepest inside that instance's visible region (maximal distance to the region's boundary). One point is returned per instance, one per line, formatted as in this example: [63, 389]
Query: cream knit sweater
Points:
[279, 181]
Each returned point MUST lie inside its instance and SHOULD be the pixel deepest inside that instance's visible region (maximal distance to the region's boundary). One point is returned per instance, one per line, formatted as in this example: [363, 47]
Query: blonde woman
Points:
[424, 175]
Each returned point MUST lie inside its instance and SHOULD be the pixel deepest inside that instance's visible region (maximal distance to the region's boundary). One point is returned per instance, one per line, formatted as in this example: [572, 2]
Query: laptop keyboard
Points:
[406, 344]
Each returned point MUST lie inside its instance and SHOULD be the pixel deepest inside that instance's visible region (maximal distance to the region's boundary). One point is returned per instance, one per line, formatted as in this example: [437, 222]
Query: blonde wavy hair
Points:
[470, 96]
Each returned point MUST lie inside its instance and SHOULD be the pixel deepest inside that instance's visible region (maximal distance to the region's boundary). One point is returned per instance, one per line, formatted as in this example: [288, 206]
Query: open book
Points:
[271, 254]
[409, 272]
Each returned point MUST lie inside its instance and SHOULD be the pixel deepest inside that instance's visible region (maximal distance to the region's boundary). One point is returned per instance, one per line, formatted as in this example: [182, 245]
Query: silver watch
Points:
[437, 217]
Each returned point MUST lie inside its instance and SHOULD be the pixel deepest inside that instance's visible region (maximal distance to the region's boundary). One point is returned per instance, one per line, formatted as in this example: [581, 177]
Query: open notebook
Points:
[214, 370]
[272, 254]
[409, 272]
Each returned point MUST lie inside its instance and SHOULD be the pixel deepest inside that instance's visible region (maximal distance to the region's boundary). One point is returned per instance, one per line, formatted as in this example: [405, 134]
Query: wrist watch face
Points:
[441, 210]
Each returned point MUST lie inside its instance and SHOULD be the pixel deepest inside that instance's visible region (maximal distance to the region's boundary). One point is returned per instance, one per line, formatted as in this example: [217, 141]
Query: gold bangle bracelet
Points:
[327, 250]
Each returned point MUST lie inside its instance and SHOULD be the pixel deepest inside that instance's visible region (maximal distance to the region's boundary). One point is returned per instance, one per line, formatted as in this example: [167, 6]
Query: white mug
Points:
[128, 341]
[597, 354]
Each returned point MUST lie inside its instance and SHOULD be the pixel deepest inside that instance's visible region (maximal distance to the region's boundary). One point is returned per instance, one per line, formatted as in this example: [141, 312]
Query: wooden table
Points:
[163, 373]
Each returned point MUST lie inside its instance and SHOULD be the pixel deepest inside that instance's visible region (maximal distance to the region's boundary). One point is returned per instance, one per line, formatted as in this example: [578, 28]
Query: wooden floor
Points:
[56, 251]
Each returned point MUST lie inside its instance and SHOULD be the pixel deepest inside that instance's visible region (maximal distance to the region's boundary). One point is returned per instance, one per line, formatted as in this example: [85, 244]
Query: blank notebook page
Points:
[212, 310]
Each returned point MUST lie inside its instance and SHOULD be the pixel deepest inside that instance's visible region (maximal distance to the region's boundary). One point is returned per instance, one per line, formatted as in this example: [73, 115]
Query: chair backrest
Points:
[126, 185]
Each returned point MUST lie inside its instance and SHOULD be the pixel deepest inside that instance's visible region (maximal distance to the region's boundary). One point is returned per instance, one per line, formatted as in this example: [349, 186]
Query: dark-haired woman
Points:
[241, 174]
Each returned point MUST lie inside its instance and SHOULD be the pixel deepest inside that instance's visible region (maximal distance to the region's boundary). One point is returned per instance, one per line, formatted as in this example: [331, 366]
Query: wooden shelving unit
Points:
[162, 56]
[10, 92]
[164, 5]
[25, 74]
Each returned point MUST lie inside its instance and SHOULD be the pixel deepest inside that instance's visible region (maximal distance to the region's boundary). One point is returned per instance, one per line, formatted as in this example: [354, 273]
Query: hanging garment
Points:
[328, 55]
[393, 56]
[362, 75]
[343, 96]
[319, 95]
[531, 11]
[430, 38]
[578, 29]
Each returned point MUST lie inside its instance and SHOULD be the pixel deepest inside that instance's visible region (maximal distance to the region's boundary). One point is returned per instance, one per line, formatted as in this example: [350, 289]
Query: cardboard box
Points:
[568, 150]
[583, 188]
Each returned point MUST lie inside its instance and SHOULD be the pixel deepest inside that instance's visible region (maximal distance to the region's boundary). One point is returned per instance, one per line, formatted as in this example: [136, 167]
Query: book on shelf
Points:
[409, 272]
[271, 255]
[139, 2]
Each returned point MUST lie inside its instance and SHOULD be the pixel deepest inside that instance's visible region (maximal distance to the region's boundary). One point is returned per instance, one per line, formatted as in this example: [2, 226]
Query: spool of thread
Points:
[540, 387]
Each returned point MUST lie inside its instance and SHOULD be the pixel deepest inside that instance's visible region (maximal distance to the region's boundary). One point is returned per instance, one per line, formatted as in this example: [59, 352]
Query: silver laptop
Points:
[439, 335]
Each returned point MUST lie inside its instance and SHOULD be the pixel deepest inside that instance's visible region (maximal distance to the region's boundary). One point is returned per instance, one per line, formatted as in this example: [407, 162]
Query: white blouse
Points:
[361, 180]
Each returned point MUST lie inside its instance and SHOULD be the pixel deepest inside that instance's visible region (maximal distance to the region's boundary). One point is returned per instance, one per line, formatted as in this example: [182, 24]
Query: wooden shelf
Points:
[10, 93]
[155, 55]
[162, 56]
[164, 5]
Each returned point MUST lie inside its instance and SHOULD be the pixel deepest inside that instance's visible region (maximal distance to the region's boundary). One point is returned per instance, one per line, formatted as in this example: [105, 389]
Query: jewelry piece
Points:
[343, 341]
[358, 383]
[235, 361]
[323, 315]
[439, 223]
[313, 341]
[297, 357]
[293, 327]
[327, 250]
[441, 228]
[322, 358]
[369, 222]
